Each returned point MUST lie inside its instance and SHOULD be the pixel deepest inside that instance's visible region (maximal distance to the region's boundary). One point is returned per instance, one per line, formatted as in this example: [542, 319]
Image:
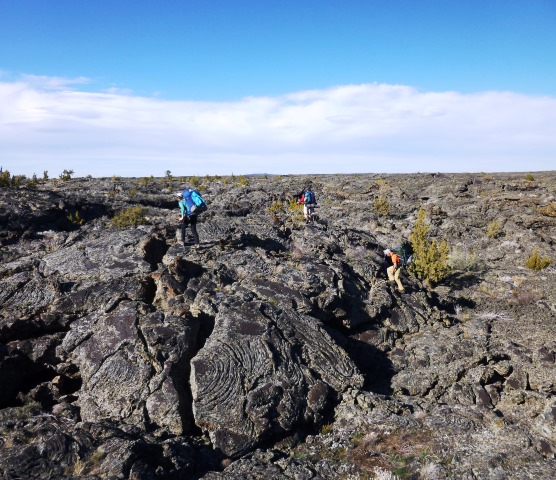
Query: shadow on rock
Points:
[460, 280]
[372, 362]
[268, 244]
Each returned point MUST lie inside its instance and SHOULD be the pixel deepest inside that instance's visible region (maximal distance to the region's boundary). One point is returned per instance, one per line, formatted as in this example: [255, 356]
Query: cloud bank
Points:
[53, 124]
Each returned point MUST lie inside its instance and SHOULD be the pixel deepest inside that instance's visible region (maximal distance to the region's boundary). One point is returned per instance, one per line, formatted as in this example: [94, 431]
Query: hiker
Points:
[309, 201]
[394, 267]
[187, 217]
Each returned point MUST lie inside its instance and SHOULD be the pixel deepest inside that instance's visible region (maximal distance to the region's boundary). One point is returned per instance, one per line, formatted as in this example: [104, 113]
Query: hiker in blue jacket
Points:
[187, 218]
[307, 198]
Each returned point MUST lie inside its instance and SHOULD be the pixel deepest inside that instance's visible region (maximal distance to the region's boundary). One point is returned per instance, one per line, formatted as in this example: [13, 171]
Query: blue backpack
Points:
[195, 202]
[309, 198]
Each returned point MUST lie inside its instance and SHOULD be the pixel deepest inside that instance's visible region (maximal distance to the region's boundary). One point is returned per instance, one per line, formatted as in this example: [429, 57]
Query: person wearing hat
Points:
[394, 267]
[187, 218]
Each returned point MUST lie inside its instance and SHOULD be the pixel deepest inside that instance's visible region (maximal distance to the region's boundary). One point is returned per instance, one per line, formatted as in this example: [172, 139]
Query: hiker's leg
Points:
[397, 278]
[310, 212]
[183, 225]
[193, 220]
[390, 272]
[305, 212]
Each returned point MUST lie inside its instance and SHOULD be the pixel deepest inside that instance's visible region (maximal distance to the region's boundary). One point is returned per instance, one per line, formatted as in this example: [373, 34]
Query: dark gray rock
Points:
[134, 366]
[124, 355]
[257, 376]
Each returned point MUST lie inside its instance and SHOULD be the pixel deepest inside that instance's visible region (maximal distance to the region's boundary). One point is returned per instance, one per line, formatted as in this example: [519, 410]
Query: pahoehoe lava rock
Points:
[275, 349]
[264, 372]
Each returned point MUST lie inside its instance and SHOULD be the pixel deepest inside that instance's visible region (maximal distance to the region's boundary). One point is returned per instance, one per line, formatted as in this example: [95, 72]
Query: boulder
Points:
[263, 373]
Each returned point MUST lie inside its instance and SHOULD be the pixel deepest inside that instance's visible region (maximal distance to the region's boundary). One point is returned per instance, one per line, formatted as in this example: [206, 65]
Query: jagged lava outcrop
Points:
[276, 349]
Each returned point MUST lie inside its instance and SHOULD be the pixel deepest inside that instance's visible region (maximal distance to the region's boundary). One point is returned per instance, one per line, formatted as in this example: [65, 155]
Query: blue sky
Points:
[135, 88]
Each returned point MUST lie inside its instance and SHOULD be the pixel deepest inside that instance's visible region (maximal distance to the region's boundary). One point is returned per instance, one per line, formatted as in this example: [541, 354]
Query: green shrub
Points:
[277, 208]
[356, 438]
[380, 203]
[66, 175]
[129, 217]
[430, 258]
[381, 206]
[288, 212]
[326, 429]
[145, 180]
[242, 181]
[19, 180]
[11, 181]
[295, 209]
[195, 182]
[76, 219]
[33, 182]
[535, 262]
[5, 178]
[529, 177]
[494, 229]
[28, 410]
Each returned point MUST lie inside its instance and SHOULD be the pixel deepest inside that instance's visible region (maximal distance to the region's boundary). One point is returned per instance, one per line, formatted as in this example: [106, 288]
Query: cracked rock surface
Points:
[276, 349]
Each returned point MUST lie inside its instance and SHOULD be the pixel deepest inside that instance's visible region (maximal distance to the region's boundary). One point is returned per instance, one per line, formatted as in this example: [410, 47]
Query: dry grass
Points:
[340, 194]
[464, 261]
[398, 454]
[525, 297]
[494, 229]
[536, 262]
[548, 210]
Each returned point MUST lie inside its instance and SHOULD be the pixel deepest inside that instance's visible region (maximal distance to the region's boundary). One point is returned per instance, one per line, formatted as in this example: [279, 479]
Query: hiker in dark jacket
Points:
[187, 218]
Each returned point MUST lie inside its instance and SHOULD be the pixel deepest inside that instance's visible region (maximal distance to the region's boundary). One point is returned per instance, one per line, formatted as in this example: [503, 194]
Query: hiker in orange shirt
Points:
[394, 267]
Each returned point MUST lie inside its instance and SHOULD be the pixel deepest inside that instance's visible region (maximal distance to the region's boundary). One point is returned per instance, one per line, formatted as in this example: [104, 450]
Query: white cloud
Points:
[52, 83]
[49, 124]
